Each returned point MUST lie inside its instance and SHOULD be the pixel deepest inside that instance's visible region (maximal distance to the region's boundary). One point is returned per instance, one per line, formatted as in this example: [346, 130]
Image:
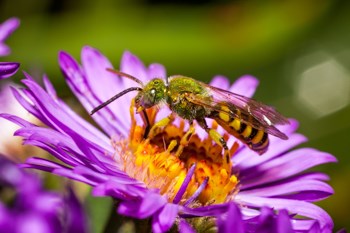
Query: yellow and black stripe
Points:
[256, 139]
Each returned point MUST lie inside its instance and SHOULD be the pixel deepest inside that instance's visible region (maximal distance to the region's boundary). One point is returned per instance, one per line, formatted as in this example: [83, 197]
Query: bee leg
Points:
[218, 139]
[146, 122]
[185, 140]
[156, 128]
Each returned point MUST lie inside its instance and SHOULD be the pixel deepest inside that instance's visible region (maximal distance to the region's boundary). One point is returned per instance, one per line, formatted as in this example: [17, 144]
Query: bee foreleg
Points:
[156, 128]
[218, 139]
[146, 122]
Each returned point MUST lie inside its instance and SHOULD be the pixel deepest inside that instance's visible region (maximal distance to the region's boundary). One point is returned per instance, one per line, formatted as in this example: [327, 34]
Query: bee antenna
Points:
[104, 104]
[126, 76]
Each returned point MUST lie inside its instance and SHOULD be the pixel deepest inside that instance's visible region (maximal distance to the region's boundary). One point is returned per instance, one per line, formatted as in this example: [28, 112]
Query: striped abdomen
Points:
[256, 139]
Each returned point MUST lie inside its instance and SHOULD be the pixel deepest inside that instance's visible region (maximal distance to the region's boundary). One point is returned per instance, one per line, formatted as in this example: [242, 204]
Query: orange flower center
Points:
[163, 162]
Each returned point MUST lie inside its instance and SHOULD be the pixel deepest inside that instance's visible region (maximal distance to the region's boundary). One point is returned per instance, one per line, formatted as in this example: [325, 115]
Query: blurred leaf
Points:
[99, 210]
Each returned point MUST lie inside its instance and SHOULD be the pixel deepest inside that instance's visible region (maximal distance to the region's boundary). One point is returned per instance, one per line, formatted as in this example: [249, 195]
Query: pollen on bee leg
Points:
[157, 127]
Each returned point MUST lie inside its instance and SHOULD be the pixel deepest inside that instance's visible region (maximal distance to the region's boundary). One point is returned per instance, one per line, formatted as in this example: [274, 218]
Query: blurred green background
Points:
[299, 49]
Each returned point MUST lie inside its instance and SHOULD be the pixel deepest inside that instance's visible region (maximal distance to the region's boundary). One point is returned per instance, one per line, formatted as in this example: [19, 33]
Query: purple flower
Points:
[7, 69]
[27, 207]
[167, 177]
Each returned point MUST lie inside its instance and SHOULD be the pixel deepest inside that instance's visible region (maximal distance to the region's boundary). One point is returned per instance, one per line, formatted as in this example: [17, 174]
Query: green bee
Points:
[248, 120]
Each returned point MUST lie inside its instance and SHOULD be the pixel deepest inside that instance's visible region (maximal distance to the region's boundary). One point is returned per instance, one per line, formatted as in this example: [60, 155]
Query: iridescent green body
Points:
[177, 91]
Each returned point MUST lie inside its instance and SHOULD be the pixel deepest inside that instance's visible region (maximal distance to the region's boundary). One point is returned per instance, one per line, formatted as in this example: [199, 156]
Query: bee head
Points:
[152, 94]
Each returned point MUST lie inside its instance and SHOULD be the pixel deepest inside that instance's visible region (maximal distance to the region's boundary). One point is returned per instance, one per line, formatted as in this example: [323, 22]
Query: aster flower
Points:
[167, 177]
[7, 69]
[26, 207]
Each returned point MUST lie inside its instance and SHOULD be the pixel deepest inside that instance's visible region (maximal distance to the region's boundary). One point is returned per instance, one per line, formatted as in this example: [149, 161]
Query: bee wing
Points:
[252, 112]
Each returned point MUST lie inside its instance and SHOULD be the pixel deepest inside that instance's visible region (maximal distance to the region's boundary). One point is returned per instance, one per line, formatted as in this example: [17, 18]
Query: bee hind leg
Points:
[218, 139]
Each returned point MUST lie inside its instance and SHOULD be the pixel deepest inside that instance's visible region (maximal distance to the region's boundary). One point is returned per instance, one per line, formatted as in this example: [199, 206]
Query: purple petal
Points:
[277, 146]
[343, 230]
[39, 137]
[91, 154]
[59, 119]
[132, 65]
[232, 220]
[184, 184]
[33, 222]
[17, 120]
[90, 174]
[27, 104]
[184, 227]
[120, 189]
[210, 210]
[49, 87]
[165, 218]
[34, 165]
[5, 219]
[95, 65]
[71, 175]
[6, 29]
[42, 162]
[246, 159]
[48, 166]
[265, 222]
[142, 208]
[77, 81]
[197, 192]
[293, 206]
[117, 177]
[315, 228]
[245, 85]
[156, 70]
[288, 129]
[76, 221]
[220, 82]
[283, 222]
[316, 188]
[7, 69]
[249, 213]
[284, 166]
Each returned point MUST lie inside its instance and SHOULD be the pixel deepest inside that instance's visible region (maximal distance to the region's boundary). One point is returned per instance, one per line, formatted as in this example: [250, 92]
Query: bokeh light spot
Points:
[322, 88]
